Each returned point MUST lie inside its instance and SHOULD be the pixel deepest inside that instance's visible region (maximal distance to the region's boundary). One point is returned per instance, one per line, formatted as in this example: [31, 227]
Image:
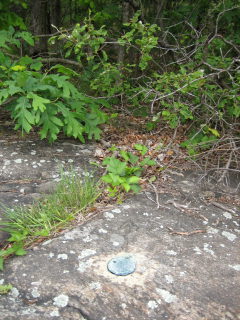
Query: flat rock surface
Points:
[29, 168]
[185, 246]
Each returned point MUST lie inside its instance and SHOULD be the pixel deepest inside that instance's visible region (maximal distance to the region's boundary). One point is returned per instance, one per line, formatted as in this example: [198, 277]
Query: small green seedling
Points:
[4, 289]
[141, 148]
[123, 173]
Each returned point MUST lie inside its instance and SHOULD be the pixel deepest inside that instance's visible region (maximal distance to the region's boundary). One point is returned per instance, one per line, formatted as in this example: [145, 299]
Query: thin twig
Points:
[221, 206]
[185, 233]
[157, 199]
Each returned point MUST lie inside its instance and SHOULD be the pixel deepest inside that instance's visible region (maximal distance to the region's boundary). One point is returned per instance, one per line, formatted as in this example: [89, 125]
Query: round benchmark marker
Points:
[122, 265]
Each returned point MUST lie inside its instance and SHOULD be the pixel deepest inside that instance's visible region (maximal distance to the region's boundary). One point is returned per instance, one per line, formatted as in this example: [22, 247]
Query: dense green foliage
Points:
[177, 61]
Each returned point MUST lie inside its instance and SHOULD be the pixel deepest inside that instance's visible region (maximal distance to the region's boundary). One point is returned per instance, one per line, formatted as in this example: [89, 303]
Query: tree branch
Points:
[61, 60]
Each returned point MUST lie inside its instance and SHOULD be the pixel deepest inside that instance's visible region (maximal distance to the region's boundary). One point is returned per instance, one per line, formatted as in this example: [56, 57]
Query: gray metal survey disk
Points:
[122, 265]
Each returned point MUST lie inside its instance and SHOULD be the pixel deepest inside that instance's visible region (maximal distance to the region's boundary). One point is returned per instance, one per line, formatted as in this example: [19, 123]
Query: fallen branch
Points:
[61, 60]
[221, 206]
[157, 200]
[185, 233]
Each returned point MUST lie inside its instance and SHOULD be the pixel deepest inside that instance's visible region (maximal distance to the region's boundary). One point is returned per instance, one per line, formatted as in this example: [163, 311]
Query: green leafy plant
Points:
[200, 141]
[103, 74]
[124, 171]
[5, 289]
[46, 100]
[27, 224]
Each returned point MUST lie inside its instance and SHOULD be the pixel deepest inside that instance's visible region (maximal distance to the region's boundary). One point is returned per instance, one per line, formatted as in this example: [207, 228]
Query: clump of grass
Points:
[25, 225]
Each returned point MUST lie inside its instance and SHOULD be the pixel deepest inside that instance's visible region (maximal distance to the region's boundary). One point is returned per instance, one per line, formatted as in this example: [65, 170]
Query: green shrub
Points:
[44, 99]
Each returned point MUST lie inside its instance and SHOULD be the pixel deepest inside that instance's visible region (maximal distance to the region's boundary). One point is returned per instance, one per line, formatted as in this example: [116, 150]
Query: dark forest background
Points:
[70, 65]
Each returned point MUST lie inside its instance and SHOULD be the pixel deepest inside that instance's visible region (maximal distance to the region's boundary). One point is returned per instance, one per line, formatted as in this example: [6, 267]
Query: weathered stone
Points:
[177, 277]
[47, 187]
[186, 251]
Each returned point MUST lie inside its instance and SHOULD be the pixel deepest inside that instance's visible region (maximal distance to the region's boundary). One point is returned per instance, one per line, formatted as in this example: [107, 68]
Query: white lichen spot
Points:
[182, 273]
[145, 214]
[22, 190]
[42, 160]
[62, 256]
[235, 267]
[87, 239]
[123, 305]
[61, 301]
[197, 250]
[14, 292]
[54, 313]
[166, 295]
[212, 230]
[71, 235]
[86, 253]
[18, 161]
[35, 293]
[227, 215]
[222, 245]
[108, 215]
[102, 231]
[36, 283]
[27, 311]
[205, 222]
[65, 271]
[206, 248]
[171, 252]
[235, 222]
[169, 278]
[229, 236]
[46, 242]
[115, 243]
[84, 265]
[95, 285]
[33, 152]
[1, 281]
[152, 304]
[59, 150]
[7, 162]
[14, 154]
[126, 206]
[51, 255]
[34, 167]
[116, 210]
[72, 252]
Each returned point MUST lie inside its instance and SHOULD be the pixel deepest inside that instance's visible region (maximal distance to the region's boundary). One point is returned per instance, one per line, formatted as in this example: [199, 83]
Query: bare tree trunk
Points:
[39, 25]
[160, 6]
[55, 13]
[70, 12]
[125, 18]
